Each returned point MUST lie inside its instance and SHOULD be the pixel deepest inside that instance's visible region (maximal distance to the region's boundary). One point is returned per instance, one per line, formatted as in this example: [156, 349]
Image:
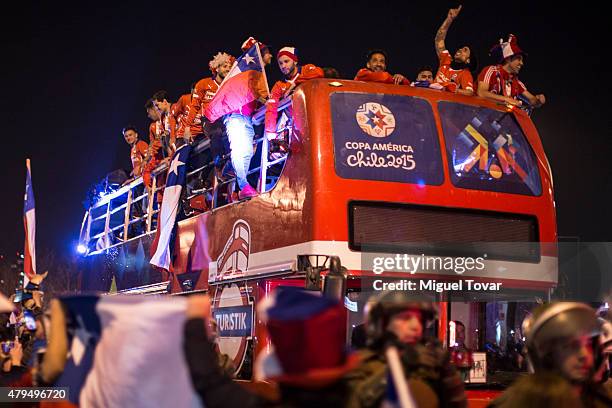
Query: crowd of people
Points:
[568, 347]
[189, 119]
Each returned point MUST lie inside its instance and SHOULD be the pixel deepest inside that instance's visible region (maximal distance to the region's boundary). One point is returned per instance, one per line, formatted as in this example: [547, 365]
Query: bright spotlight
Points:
[81, 249]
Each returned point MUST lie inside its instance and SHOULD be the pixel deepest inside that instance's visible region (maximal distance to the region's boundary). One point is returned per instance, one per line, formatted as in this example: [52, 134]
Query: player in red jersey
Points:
[294, 75]
[203, 92]
[376, 70]
[138, 149]
[454, 73]
[501, 83]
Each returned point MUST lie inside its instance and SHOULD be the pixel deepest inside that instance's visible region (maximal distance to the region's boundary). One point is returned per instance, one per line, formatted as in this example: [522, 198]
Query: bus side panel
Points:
[277, 219]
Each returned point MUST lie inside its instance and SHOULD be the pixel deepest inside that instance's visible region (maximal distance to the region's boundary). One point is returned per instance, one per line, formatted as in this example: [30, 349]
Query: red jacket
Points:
[283, 88]
[368, 75]
[205, 90]
[180, 112]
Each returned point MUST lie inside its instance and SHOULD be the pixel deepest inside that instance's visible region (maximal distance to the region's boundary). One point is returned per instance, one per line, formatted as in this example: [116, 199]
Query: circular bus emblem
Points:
[233, 313]
[375, 119]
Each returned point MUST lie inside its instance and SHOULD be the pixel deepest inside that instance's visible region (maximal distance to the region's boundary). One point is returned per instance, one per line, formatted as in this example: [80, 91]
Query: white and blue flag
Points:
[126, 351]
[166, 221]
[29, 223]
[246, 82]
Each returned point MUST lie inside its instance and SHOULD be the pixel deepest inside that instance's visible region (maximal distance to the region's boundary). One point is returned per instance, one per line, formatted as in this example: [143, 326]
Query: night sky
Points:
[74, 76]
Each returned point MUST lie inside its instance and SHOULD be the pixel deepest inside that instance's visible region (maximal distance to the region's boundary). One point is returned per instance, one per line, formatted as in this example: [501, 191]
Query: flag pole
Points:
[263, 68]
[29, 260]
[23, 280]
[402, 388]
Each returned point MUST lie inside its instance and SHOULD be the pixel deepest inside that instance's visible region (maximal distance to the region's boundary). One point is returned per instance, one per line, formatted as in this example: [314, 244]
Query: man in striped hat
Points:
[294, 74]
[501, 83]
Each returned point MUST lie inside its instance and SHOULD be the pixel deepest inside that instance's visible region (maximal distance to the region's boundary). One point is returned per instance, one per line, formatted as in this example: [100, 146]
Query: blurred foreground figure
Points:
[308, 359]
[562, 342]
[118, 351]
[396, 319]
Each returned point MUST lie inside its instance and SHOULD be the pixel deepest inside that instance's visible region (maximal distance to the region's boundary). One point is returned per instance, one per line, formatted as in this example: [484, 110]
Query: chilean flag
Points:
[166, 221]
[29, 222]
[245, 83]
[114, 340]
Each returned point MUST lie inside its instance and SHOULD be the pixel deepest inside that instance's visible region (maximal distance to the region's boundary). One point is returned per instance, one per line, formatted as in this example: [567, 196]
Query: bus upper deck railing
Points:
[131, 211]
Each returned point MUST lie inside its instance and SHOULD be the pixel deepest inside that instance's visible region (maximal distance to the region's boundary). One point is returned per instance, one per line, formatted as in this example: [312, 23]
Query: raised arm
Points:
[443, 30]
[57, 345]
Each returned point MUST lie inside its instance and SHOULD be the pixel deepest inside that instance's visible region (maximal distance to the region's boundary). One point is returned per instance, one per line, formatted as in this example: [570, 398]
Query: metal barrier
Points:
[110, 219]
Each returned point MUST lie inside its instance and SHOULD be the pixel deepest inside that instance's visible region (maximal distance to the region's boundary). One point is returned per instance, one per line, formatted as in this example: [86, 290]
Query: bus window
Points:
[492, 329]
[487, 150]
[385, 138]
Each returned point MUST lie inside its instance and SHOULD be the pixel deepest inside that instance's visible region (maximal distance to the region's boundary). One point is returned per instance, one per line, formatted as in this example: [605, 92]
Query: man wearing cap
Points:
[562, 339]
[376, 70]
[500, 82]
[308, 361]
[454, 73]
[294, 75]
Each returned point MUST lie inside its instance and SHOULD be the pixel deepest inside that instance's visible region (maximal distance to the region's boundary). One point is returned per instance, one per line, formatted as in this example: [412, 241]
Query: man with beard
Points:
[501, 83]
[376, 70]
[454, 73]
[195, 123]
[204, 90]
[294, 75]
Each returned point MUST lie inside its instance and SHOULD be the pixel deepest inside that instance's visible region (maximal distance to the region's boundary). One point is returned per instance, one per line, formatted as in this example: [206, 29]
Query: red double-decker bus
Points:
[401, 184]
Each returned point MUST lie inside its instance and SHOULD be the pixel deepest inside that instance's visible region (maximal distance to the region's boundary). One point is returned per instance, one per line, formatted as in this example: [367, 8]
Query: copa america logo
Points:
[375, 119]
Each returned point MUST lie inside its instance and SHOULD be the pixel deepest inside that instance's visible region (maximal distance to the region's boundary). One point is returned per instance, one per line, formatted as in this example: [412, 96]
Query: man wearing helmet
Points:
[397, 319]
[563, 339]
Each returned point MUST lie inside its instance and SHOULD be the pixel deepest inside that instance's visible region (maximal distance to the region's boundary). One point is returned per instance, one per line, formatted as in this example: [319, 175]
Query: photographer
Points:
[14, 374]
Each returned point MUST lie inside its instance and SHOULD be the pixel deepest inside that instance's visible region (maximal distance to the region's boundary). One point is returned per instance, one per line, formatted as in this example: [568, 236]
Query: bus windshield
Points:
[487, 150]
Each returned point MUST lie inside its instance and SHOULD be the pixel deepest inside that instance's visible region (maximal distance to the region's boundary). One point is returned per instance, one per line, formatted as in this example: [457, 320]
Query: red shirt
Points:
[138, 153]
[205, 90]
[155, 131]
[169, 122]
[180, 110]
[462, 77]
[365, 74]
[501, 82]
[283, 88]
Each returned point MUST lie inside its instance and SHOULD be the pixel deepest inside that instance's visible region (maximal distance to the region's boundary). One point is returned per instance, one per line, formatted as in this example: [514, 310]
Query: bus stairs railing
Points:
[117, 229]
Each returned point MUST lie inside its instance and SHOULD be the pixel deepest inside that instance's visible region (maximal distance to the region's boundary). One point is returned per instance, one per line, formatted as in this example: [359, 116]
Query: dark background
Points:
[73, 76]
